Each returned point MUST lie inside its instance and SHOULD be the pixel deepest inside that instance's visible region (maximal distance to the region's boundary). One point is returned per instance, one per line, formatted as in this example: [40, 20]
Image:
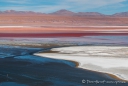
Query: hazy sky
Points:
[47, 6]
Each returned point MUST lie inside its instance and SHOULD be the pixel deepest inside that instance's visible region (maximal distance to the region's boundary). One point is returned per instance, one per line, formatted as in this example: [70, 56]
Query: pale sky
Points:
[48, 6]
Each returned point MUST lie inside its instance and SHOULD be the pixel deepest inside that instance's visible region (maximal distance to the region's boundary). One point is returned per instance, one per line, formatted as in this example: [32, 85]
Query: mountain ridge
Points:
[62, 12]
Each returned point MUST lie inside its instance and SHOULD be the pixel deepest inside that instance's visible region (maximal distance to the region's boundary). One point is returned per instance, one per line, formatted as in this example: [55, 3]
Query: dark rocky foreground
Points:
[18, 67]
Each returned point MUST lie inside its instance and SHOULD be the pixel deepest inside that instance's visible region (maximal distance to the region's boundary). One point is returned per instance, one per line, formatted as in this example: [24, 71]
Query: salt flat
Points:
[108, 59]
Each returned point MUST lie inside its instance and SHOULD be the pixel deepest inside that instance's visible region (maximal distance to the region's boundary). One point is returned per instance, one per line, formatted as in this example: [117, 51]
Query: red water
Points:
[56, 34]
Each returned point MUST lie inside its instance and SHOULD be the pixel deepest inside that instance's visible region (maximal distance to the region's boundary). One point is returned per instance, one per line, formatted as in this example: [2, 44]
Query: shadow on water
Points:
[25, 69]
[11, 84]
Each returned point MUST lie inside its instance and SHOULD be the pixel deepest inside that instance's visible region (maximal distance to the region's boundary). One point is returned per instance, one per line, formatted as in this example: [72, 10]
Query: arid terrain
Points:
[63, 23]
[62, 18]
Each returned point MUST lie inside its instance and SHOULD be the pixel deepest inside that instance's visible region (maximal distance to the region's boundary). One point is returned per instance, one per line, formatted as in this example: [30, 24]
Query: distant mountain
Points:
[19, 12]
[89, 14]
[66, 12]
[123, 14]
[63, 12]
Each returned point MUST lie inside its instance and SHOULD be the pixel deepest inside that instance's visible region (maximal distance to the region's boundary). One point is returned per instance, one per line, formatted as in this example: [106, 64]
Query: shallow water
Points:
[21, 68]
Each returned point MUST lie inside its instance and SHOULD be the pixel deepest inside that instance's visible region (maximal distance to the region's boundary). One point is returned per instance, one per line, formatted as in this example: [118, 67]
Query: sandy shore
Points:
[107, 59]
